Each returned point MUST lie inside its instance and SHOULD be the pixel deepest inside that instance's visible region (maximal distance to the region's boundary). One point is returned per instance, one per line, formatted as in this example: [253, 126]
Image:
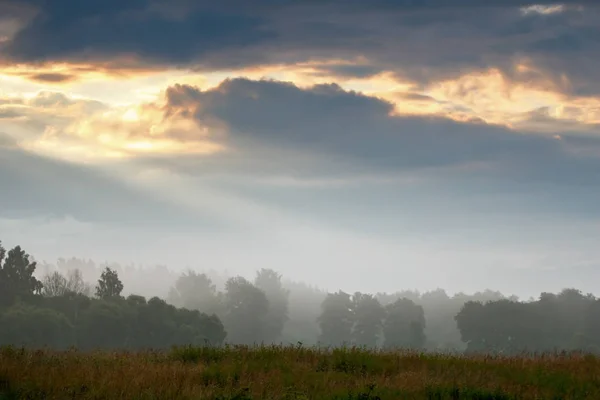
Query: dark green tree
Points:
[336, 320]
[591, 329]
[368, 315]
[109, 284]
[104, 325]
[247, 308]
[404, 325]
[471, 321]
[37, 327]
[16, 276]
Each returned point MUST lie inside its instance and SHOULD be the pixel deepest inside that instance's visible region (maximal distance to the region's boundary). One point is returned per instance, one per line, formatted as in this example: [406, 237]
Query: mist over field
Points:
[413, 174]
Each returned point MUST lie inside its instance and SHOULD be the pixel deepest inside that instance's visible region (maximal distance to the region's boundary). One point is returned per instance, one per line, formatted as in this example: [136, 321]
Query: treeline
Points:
[61, 309]
[569, 320]
[61, 312]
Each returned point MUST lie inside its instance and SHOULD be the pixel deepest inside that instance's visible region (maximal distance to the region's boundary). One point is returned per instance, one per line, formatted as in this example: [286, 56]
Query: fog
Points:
[371, 174]
[328, 258]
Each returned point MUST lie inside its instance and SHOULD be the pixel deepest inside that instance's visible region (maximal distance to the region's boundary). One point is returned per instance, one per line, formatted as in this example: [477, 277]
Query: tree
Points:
[592, 327]
[196, 292]
[368, 315]
[109, 284]
[471, 321]
[26, 325]
[104, 324]
[336, 320]
[440, 329]
[246, 311]
[76, 284]
[2, 254]
[56, 284]
[502, 326]
[304, 310]
[404, 325]
[16, 275]
[269, 282]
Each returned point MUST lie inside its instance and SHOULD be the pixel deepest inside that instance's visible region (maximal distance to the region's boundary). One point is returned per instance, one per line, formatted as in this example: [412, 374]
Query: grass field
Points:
[292, 373]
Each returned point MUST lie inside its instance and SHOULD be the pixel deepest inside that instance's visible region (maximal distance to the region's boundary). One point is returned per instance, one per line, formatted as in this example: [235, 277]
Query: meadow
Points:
[244, 373]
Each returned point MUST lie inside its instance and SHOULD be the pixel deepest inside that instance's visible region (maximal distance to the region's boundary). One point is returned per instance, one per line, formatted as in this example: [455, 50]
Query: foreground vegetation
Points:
[292, 373]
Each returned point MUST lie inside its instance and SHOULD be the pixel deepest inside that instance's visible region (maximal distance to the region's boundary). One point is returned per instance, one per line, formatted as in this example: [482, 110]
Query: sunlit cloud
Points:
[84, 130]
[543, 9]
[81, 128]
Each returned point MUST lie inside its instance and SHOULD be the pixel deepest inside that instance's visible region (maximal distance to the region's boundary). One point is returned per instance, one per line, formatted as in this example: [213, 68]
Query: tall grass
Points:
[275, 372]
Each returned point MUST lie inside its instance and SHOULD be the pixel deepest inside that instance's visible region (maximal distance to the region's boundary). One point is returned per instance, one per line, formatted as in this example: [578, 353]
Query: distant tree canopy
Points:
[56, 284]
[337, 319]
[369, 315]
[565, 321]
[197, 292]
[247, 308]
[61, 309]
[404, 325]
[61, 313]
[253, 313]
[361, 320]
[269, 282]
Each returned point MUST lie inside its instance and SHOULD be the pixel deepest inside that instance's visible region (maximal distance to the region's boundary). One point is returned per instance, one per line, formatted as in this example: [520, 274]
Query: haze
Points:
[364, 146]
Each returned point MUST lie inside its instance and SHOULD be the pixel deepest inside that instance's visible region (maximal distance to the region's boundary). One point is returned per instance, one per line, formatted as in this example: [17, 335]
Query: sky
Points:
[372, 146]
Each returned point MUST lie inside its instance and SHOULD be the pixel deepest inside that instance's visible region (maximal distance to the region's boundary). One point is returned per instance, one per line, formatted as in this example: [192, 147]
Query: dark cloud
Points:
[35, 186]
[52, 78]
[270, 119]
[98, 30]
[418, 173]
[419, 40]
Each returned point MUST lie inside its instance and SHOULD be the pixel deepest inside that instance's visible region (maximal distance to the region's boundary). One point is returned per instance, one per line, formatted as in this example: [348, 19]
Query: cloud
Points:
[34, 186]
[357, 131]
[80, 129]
[44, 115]
[145, 29]
[270, 131]
[322, 153]
[342, 157]
[422, 41]
[52, 78]
[6, 141]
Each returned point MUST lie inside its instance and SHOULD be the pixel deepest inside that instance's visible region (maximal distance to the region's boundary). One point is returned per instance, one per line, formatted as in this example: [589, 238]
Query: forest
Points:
[77, 303]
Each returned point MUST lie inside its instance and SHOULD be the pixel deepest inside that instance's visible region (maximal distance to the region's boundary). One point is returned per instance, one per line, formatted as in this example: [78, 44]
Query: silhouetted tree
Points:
[336, 320]
[404, 325]
[471, 323]
[368, 316]
[109, 284]
[591, 329]
[16, 275]
[551, 323]
[246, 311]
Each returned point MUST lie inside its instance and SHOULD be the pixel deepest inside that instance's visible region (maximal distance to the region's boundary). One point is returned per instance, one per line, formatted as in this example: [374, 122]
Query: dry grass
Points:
[292, 373]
